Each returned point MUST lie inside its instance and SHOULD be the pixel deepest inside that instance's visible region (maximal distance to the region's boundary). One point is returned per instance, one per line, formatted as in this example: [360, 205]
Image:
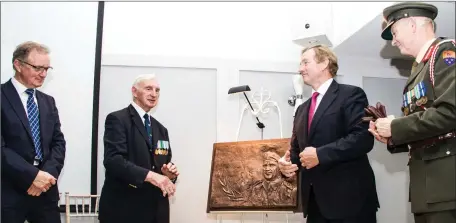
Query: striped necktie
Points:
[34, 121]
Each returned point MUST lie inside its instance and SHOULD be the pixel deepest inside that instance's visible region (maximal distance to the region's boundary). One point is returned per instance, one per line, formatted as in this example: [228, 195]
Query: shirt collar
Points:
[138, 109]
[424, 49]
[20, 88]
[324, 87]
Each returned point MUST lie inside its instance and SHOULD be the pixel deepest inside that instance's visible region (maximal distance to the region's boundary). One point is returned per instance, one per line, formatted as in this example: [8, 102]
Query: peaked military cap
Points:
[399, 11]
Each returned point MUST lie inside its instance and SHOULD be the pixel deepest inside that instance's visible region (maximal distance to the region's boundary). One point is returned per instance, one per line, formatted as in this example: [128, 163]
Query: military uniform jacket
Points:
[430, 111]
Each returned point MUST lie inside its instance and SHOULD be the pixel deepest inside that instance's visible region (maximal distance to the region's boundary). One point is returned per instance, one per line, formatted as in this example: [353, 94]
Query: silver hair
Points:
[143, 77]
[424, 21]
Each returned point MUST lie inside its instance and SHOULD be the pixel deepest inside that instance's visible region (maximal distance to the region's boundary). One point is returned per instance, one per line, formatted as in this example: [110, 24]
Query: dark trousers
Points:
[436, 217]
[32, 209]
[315, 216]
[157, 214]
[162, 213]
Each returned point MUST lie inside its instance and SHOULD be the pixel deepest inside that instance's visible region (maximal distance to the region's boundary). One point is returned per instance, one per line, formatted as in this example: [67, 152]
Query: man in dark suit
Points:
[137, 156]
[33, 147]
[329, 146]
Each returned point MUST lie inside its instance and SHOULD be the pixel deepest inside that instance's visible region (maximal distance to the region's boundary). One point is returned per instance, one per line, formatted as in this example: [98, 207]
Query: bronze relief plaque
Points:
[245, 177]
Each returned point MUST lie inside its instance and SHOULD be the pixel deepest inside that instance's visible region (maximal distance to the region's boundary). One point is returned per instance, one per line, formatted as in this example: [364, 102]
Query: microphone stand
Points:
[259, 124]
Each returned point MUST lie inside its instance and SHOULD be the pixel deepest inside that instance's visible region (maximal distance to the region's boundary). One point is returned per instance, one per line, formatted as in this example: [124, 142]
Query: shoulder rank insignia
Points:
[448, 57]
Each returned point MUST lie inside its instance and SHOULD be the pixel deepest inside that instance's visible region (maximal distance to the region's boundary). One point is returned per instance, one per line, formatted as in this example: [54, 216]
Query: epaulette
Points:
[433, 53]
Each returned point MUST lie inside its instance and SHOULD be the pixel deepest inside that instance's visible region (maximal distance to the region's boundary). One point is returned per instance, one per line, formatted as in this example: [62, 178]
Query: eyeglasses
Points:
[39, 69]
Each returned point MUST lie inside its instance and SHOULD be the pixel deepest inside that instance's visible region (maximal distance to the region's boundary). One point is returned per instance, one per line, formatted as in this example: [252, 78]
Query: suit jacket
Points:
[433, 169]
[343, 183]
[128, 157]
[18, 149]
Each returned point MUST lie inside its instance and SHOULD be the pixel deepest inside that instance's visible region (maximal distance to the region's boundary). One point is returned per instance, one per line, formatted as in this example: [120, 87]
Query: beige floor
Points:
[78, 219]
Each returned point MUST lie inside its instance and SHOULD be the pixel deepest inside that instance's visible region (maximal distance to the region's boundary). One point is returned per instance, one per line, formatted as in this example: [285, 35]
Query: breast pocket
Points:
[331, 113]
[330, 122]
[51, 120]
[12, 126]
[162, 150]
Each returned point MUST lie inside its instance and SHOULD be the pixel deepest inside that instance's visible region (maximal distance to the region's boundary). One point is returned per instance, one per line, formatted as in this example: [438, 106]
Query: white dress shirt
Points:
[20, 88]
[322, 91]
[141, 112]
[423, 50]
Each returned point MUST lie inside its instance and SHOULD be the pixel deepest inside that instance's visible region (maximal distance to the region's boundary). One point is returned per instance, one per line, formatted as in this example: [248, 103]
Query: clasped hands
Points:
[381, 128]
[43, 181]
[308, 158]
[379, 122]
[164, 181]
[170, 170]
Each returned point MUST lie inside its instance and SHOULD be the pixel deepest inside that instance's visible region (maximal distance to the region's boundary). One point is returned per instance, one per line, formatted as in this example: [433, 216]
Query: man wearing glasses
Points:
[33, 147]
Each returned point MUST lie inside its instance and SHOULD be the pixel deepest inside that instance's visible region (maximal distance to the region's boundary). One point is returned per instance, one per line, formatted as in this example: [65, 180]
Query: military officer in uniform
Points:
[427, 129]
[273, 189]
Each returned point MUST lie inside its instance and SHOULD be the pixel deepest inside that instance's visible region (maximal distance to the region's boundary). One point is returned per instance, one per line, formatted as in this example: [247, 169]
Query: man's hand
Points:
[43, 181]
[34, 191]
[383, 126]
[170, 170]
[286, 167]
[162, 182]
[309, 158]
[373, 130]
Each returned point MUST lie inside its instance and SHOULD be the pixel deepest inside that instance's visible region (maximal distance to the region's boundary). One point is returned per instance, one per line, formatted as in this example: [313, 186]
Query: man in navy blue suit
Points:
[33, 147]
[329, 146]
[140, 176]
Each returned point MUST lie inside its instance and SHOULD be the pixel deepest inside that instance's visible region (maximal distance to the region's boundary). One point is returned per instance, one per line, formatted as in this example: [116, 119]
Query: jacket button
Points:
[153, 167]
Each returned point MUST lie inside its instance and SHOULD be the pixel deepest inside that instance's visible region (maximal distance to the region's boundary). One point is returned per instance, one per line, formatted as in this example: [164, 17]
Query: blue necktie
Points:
[34, 121]
[148, 128]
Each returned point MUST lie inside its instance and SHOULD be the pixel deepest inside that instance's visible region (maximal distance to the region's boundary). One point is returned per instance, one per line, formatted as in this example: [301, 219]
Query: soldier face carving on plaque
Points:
[270, 166]
[273, 189]
[245, 176]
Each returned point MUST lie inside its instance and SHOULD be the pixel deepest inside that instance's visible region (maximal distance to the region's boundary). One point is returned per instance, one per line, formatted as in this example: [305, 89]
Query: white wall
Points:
[236, 40]
[233, 30]
[241, 40]
[69, 30]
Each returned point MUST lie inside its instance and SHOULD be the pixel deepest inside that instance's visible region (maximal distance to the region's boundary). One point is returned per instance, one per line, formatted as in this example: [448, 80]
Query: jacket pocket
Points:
[440, 170]
[437, 152]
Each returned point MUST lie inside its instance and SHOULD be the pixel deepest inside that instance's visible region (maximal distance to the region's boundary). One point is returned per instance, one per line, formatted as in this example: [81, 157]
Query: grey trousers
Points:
[436, 217]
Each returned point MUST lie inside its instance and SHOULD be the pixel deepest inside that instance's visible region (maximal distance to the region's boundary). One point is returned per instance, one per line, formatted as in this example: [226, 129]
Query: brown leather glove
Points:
[373, 113]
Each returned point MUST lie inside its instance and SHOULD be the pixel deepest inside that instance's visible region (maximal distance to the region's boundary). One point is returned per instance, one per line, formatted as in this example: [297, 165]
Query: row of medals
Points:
[420, 102]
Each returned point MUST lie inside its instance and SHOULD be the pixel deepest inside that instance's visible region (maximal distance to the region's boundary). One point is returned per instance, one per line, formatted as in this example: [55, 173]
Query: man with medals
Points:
[427, 130]
[140, 177]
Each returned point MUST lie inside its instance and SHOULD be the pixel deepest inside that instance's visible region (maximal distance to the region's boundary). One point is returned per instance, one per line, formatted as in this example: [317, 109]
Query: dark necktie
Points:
[34, 121]
[313, 104]
[148, 128]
